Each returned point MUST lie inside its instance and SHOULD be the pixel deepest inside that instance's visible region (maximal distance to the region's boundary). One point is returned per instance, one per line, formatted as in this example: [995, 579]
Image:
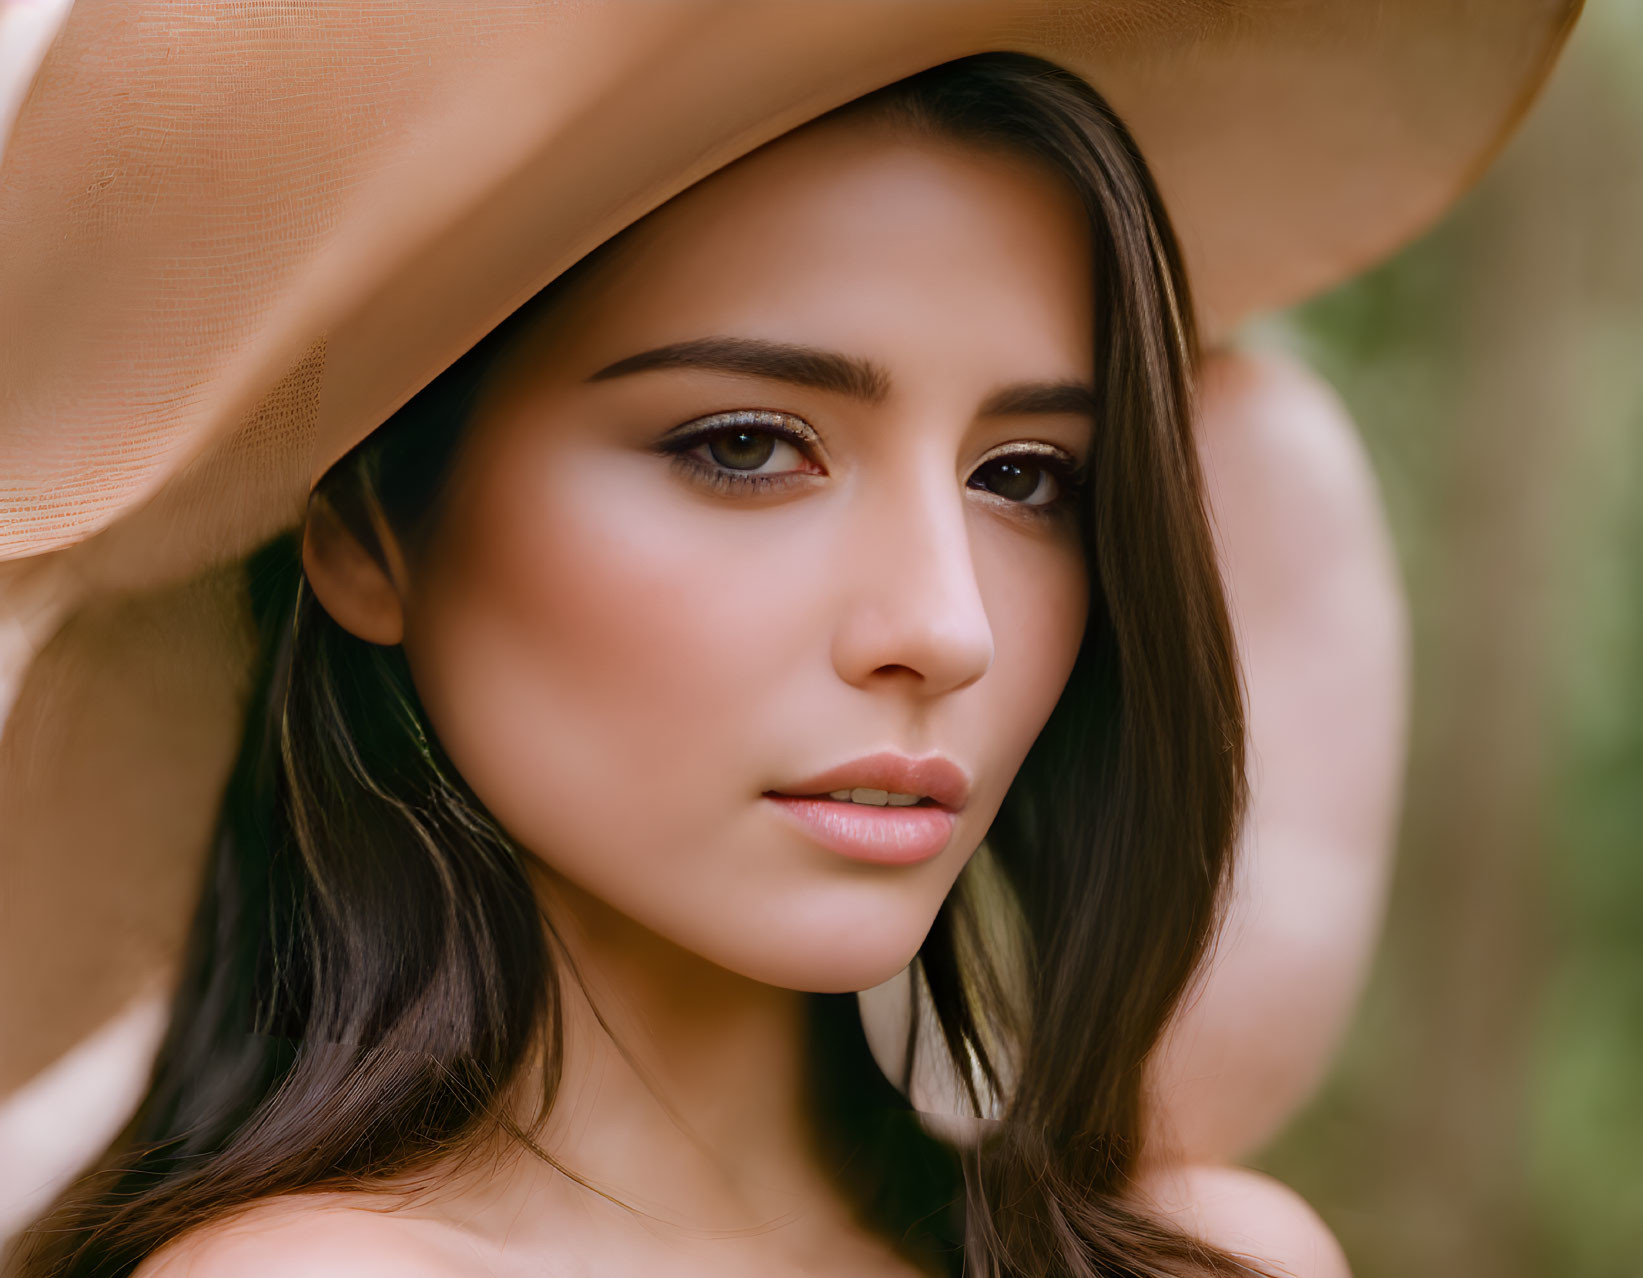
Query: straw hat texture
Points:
[235, 237]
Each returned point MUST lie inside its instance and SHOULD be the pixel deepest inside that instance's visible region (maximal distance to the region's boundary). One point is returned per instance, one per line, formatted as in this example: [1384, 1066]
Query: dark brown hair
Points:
[369, 970]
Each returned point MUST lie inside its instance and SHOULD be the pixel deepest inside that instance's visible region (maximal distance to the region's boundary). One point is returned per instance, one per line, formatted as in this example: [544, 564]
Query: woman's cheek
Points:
[596, 653]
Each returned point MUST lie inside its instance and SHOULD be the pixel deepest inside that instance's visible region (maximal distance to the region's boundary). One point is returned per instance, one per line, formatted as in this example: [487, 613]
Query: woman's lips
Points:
[864, 832]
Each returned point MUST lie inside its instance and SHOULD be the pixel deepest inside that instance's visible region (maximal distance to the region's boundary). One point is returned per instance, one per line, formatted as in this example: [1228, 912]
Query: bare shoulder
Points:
[319, 1236]
[1250, 1215]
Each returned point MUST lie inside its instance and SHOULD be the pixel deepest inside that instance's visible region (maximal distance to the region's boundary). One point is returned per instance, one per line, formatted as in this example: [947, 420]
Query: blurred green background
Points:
[1486, 1115]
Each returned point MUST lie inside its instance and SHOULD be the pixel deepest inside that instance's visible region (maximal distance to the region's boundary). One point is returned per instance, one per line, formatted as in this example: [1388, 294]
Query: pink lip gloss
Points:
[864, 832]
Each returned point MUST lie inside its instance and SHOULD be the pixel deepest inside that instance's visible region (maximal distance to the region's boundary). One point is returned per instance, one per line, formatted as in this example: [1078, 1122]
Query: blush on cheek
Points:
[589, 642]
[544, 622]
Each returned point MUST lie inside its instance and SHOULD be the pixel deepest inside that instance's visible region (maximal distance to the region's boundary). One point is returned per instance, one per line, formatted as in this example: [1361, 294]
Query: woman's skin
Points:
[623, 662]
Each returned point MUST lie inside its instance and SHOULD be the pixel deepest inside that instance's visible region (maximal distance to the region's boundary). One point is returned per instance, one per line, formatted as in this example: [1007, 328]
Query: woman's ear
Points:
[362, 594]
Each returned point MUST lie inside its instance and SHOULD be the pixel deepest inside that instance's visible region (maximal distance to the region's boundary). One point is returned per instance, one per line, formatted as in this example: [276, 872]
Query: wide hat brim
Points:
[234, 238]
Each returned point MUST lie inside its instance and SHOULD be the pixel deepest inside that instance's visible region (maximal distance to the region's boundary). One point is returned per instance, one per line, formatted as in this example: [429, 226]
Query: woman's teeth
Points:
[878, 798]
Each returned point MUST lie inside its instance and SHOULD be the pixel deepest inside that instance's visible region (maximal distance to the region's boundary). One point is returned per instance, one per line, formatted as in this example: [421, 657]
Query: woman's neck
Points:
[683, 1097]
[682, 1082]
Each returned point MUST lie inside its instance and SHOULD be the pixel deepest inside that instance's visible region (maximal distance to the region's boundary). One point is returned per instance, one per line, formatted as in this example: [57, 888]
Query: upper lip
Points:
[934, 776]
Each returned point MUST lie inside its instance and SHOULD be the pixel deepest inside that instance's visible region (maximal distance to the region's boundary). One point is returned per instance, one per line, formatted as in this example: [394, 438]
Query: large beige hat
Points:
[235, 237]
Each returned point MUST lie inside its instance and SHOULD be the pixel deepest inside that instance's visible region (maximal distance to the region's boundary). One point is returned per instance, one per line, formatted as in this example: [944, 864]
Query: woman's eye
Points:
[745, 449]
[1036, 480]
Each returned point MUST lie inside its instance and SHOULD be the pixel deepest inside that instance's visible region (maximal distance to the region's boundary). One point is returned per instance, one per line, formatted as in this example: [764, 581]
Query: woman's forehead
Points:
[858, 189]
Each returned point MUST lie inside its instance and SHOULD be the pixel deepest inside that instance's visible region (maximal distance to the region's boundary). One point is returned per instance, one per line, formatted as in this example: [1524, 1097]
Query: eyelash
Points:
[1070, 477]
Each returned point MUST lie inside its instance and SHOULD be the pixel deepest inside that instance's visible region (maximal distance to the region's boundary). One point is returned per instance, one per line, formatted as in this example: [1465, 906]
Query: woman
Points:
[401, 1022]
[891, 351]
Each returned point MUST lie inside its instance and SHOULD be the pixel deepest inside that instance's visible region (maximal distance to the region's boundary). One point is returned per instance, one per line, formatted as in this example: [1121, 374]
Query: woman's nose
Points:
[912, 605]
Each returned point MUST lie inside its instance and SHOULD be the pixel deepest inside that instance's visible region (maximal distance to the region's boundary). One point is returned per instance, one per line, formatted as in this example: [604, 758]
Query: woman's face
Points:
[780, 486]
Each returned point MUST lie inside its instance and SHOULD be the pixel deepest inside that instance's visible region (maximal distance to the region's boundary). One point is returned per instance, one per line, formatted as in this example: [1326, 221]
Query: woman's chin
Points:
[844, 961]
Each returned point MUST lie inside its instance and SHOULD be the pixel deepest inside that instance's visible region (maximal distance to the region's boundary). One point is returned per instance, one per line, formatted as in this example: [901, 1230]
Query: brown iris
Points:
[742, 449]
[1014, 480]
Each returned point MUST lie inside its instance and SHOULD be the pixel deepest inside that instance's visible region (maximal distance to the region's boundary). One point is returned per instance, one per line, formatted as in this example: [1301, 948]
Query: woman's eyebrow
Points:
[1041, 397]
[833, 371]
[801, 365]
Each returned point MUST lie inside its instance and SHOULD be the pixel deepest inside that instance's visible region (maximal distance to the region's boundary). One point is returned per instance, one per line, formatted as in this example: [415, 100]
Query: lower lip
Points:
[865, 832]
